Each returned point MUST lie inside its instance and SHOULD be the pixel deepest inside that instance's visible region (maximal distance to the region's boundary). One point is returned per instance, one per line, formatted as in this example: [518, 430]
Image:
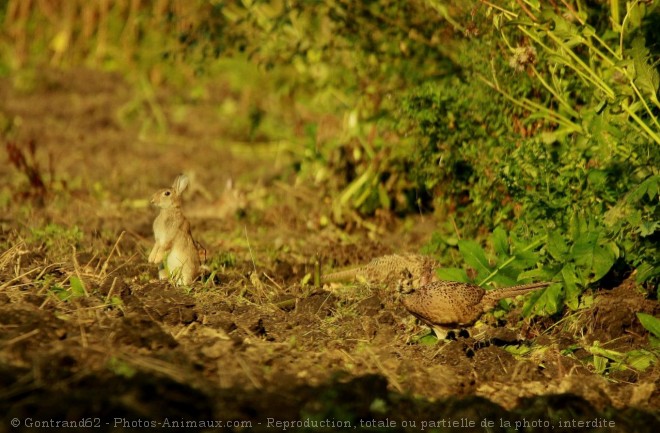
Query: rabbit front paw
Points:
[156, 255]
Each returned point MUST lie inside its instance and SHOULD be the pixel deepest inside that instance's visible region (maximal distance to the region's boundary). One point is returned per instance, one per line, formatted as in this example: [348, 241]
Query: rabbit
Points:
[173, 236]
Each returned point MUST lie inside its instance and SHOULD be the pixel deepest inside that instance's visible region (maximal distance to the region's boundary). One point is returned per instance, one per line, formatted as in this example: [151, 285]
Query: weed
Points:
[26, 162]
[76, 289]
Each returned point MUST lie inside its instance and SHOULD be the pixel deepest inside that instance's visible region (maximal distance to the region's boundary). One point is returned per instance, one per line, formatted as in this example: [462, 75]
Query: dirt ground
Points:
[252, 348]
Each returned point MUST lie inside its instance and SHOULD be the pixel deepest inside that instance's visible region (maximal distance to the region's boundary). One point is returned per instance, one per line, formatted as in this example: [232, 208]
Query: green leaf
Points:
[384, 199]
[475, 257]
[452, 274]
[570, 284]
[526, 258]
[500, 242]
[518, 350]
[77, 287]
[647, 78]
[556, 246]
[653, 187]
[592, 253]
[544, 302]
[61, 293]
[604, 257]
[583, 248]
[649, 186]
[641, 359]
[647, 228]
[428, 340]
[121, 367]
[352, 190]
[652, 324]
[613, 355]
[600, 364]
[116, 301]
[655, 342]
[534, 274]
[646, 271]
[306, 279]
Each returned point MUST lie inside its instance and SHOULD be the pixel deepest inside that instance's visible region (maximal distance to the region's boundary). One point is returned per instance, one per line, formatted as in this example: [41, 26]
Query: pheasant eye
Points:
[167, 193]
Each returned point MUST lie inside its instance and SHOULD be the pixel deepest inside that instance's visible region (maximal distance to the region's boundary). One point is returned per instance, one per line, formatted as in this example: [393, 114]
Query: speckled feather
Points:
[388, 269]
[448, 303]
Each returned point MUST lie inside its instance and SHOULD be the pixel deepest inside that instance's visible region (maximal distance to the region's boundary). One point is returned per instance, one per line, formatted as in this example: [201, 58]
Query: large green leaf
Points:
[77, 287]
[650, 186]
[500, 243]
[592, 253]
[557, 246]
[544, 302]
[475, 257]
[652, 324]
[570, 284]
[538, 274]
[452, 274]
[647, 78]
[641, 359]
[604, 257]
[646, 271]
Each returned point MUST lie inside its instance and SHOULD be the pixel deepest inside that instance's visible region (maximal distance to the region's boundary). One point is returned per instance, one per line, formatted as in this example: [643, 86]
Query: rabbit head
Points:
[170, 197]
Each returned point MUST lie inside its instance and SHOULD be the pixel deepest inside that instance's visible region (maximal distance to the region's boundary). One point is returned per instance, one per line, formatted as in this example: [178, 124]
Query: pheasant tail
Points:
[492, 297]
[346, 275]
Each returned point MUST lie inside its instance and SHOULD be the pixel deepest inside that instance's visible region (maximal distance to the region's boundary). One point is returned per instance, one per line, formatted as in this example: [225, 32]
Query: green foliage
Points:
[513, 259]
[569, 157]
[605, 361]
[121, 367]
[76, 289]
[459, 133]
[222, 260]
[635, 224]
[55, 235]
[652, 324]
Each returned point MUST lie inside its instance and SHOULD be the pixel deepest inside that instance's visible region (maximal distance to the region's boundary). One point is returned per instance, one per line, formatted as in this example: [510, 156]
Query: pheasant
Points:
[387, 269]
[447, 304]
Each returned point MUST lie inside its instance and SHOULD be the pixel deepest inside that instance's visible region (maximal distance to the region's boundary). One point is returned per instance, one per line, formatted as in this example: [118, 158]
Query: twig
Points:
[47, 268]
[286, 303]
[130, 259]
[250, 248]
[21, 337]
[527, 11]
[184, 331]
[272, 281]
[247, 372]
[76, 266]
[322, 304]
[105, 265]
[392, 379]
[453, 223]
[508, 261]
[112, 288]
[83, 334]
[317, 271]
[8, 283]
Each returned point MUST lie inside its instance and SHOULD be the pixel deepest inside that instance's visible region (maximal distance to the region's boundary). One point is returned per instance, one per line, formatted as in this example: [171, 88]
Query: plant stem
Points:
[643, 125]
[557, 96]
[508, 261]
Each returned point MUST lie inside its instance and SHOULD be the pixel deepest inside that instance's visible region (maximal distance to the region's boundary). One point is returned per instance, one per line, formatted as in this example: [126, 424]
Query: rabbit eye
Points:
[167, 193]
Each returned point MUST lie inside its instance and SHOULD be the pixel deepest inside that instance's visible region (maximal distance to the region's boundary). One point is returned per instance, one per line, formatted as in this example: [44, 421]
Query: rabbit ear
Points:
[180, 183]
